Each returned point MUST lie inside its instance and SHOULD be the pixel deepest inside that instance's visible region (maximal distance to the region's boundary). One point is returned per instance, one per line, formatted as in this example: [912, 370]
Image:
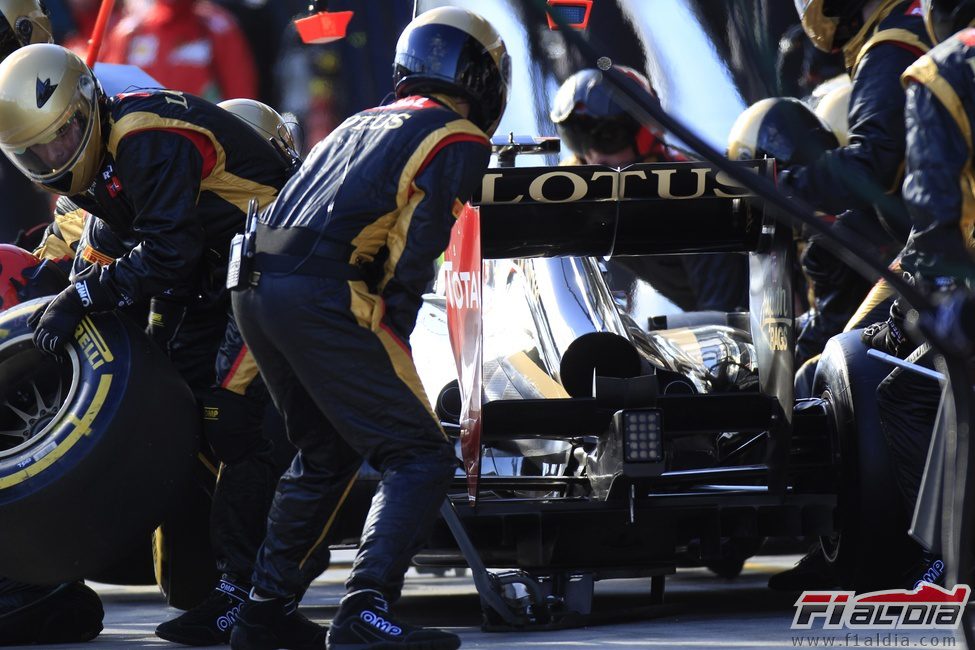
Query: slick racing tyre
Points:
[182, 555]
[133, 566]
[93, 445]
[871, 549]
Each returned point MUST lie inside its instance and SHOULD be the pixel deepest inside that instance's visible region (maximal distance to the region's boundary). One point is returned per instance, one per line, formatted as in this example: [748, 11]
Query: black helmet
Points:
[782, 128]
[945, 17]
[830, 23]
[456, 52]
[589, 119]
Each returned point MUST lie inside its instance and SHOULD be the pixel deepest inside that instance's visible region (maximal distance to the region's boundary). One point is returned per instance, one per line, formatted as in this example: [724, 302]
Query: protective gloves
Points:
[889, 336]
[58, 322]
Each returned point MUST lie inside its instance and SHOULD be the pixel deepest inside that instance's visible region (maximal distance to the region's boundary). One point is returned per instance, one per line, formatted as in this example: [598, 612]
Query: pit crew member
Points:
[346, 252]
[879, 39]
[173, 173]
[939, 190]
[598, 131]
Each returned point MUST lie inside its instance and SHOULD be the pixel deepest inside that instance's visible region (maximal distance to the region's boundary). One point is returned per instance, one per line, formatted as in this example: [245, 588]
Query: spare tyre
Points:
[93, 445]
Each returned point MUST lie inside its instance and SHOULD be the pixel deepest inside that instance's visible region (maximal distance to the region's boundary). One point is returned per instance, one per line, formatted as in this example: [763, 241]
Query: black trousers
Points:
[210, 354]
[908, 404]
[348, 390]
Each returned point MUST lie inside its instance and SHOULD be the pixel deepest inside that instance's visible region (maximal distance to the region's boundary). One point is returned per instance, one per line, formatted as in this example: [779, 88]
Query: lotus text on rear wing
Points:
[665, 181]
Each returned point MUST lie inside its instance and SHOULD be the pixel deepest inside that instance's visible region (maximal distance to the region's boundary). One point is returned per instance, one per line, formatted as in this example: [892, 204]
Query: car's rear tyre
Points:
[871, 548]
[182, 556]
[133, 567]
[93, 445]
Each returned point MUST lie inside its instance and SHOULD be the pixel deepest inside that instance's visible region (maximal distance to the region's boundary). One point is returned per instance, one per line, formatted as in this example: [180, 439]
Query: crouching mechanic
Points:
[346, 252]
[172, 174]
[879, 39]
[939, 189]
[860, 180]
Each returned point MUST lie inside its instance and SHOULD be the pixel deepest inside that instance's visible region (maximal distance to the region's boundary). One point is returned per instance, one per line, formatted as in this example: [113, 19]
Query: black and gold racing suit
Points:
[939, 190]
[174, 188]
[75, 240]
[344, 255]
[863, 177]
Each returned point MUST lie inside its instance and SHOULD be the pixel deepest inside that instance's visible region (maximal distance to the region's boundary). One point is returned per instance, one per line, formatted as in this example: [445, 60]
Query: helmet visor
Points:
[818, 22]
[943, 18]
[54, 152]
[8, 39]
[584, 134]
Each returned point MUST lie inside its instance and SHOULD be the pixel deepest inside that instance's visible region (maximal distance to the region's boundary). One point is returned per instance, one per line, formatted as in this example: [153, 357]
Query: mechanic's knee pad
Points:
[232, 424]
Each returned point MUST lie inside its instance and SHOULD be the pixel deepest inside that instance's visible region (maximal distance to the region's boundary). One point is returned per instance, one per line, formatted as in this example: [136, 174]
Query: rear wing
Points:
[643, 209]
[653, 208]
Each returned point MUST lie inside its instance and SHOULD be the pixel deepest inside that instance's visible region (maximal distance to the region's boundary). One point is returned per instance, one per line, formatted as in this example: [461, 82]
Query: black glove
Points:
[58, 321]
[165, 318]
[889, 336]
[54, 326]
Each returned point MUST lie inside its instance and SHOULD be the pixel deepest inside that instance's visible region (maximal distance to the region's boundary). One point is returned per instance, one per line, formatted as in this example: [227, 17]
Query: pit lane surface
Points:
[700, 611]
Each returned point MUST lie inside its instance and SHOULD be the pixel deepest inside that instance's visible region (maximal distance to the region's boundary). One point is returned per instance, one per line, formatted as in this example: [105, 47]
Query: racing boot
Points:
[929, 568]
[210, 622]
[272, 623]
[363, 622]
[810, 572]
[70, 613]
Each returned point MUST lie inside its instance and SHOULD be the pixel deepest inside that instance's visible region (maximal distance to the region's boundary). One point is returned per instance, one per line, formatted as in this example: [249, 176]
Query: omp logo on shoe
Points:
[380, 623]
[924, 608]
[232, 590]
[934, 573]
[227, 620]
[92, 344]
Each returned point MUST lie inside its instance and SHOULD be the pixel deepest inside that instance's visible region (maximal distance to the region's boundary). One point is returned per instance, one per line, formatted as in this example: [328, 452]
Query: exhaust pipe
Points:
[601, 354]
[448, 406]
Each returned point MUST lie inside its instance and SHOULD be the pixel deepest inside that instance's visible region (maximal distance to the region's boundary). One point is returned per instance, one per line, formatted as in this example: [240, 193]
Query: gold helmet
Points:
[265, 120]
[50, 126]
[782, 128]
[23, 22]
[830, 23]
[834, 109]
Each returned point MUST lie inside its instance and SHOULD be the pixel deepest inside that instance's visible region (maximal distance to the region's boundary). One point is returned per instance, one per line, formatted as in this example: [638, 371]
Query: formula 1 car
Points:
[596, 446]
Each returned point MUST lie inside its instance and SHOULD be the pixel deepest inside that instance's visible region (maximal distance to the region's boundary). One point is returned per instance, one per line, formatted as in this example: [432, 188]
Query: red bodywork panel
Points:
[462, 262]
